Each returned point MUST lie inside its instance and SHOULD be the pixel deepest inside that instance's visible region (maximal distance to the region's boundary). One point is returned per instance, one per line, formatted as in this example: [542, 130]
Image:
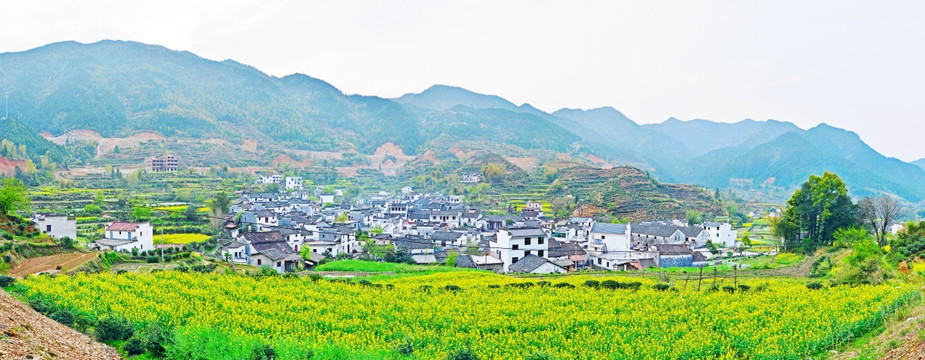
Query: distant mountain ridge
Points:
[118, 88]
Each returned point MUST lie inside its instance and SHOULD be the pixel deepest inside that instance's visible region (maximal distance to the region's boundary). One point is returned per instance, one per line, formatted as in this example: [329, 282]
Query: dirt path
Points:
[26, 334]
[50, 263]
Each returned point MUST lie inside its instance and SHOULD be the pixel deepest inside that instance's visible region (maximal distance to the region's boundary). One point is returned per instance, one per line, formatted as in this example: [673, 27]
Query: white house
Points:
[294, 183]
[270, 179]
[56, 226]
[721, 234]
[124, 236]
[613, 237]
[235, 252]
[511, 245]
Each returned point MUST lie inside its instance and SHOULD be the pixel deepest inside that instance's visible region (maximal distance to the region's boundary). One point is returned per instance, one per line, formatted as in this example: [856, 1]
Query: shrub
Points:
[539, 355]
[110, 329]
[157, 338]
[564, 285]
[6, 280]
[462, 354]
[451, 287]
[153, 259]
[542, 283]
[134, 346]
[592, 284]
[40, 306]
[405, 348]
[611, 284]
[744, 288]
[314, 277]
[263, 352]
[814, 286]
[661, 287]
[494, 286]
[64, 317]
[729, 289]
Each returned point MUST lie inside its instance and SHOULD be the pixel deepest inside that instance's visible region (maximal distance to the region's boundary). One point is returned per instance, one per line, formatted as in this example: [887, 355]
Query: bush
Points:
[564, 285]
[134, 346]
[157, 338]
[110, 329]
[539, 355]
[494, 286]
[592, 284]
[542, 283]
[744, 288]
[40, 306]
[263, 352]
[451, 287]
[462, 354]
[814, 286]
[153, 259]
[729, 289]
[6, 280]
[661, 287]
[63, 317]
[405, 348]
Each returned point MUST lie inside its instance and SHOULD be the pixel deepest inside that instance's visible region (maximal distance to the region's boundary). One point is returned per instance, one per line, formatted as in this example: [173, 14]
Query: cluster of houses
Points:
[287, 230]
[290, 231]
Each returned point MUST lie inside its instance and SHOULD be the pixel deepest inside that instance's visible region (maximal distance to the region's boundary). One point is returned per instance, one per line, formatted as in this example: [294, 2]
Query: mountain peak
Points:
[442, 97]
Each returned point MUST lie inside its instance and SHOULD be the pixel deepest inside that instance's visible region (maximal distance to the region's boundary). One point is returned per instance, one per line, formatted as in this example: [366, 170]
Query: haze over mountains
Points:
[121, 88]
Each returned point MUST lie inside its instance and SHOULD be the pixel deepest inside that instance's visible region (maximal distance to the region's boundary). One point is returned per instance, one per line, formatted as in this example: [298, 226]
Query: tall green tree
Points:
[13, 196]
[815, 211]
[219, 204]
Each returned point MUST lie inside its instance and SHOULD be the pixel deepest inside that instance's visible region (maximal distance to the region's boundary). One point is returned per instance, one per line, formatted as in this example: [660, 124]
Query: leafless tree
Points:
[879, 213]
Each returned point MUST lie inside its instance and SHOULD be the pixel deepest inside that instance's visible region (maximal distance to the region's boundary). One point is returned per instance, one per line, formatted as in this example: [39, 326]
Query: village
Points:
[295, 229]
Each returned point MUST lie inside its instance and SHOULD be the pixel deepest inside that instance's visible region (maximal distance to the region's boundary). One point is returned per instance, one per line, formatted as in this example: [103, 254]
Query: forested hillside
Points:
[121, 88]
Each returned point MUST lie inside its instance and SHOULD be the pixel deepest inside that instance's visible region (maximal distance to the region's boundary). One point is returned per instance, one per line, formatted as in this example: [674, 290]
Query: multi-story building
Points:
[162, 163]
[512, 244]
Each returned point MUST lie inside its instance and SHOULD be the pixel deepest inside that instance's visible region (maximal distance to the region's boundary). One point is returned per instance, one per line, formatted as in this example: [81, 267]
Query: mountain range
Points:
[119, 88]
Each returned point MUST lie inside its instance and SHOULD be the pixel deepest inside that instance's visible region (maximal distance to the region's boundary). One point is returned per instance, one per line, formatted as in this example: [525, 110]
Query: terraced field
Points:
[51, 263]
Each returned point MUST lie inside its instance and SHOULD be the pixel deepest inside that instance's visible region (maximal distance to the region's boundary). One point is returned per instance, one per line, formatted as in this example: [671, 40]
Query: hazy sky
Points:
[855, 65]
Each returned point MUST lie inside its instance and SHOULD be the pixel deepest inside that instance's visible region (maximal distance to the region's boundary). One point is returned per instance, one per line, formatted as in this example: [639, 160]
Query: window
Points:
[278, 264]
[515, 247]
[259, 262]
[602, 237]
[48, 228]
[540, 241]
[526, 241]
[540, 253]
[527, 252]
[598, 261]
[315, 251]
[514, 259]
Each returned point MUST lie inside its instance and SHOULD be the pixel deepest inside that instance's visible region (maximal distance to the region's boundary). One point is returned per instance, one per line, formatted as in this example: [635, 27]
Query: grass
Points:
[180, 238]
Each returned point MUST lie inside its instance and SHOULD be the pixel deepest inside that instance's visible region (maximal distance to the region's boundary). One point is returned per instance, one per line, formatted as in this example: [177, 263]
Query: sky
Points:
[858, 65]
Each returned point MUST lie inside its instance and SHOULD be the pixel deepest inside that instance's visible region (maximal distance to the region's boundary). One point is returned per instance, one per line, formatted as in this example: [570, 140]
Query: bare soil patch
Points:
[51, 263]
[26, 334]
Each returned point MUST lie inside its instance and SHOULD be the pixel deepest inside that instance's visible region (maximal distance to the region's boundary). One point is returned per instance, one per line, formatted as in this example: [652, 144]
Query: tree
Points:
[451, 258]
[219, 204]
[141, 213]
[878, 214]
[693, 217]
[271, 188]
[191, 213]
[342, 218]
[13, 196]
[815, 211]
[493, 172]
